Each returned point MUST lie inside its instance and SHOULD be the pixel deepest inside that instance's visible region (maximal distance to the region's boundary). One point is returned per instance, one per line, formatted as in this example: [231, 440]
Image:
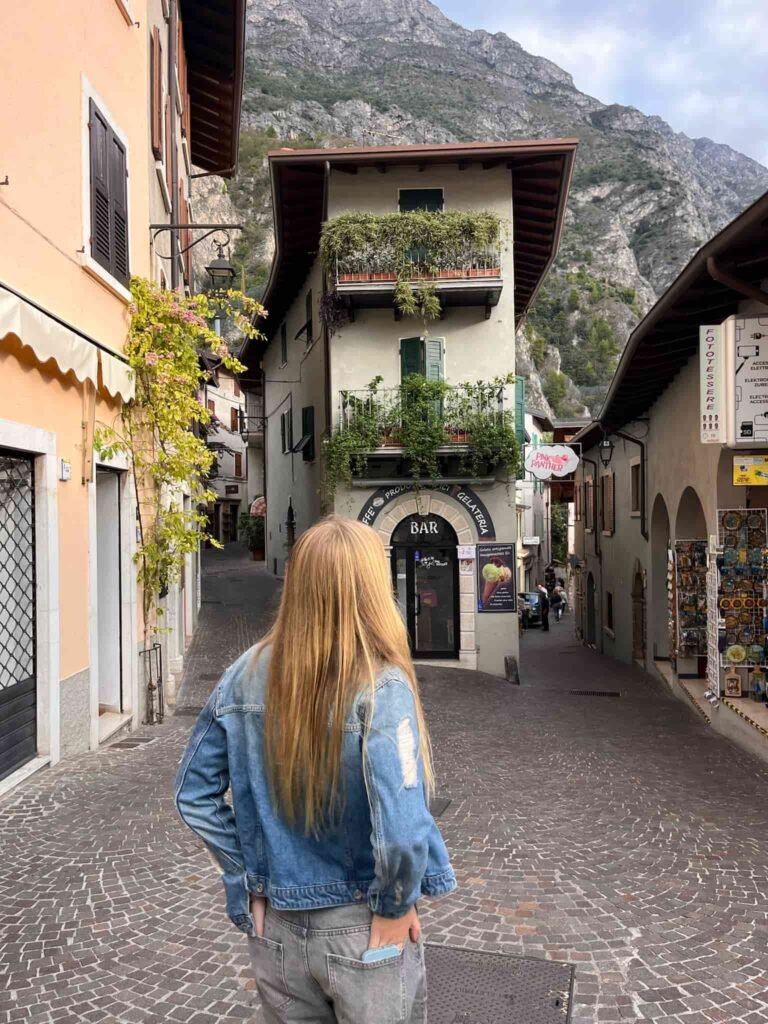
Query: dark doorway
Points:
[425, 573]
[589, 630]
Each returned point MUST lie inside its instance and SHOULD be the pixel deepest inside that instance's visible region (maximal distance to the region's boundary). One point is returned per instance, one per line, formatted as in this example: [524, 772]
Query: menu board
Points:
[691, 594]
[742, 591]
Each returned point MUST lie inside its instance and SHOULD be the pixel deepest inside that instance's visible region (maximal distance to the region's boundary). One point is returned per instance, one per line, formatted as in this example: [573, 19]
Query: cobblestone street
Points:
[618, 833]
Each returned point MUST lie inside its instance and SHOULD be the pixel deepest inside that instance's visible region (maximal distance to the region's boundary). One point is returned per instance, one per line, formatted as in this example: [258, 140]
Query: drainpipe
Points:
[641, 445]
[596, 511]
[326, 333]
[173, 23]
[736, 284]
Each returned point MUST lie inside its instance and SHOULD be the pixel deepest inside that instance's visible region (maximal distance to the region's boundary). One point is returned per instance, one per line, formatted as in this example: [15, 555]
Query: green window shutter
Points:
[411, 357]
[520, 410]
[433, 358]
[308, 431]
[430, 199]
[310, 324]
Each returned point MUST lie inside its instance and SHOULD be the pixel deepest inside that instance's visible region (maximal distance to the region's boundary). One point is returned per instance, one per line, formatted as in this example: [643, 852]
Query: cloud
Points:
[699, 64]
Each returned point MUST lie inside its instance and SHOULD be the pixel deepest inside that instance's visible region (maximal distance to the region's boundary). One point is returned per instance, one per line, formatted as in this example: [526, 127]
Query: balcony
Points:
[251, 422]
[424, 429]
[375, 259]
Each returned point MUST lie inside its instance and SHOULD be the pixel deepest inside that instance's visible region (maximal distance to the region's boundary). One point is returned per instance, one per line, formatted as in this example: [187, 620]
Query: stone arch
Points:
[658, 619]
[638, 613]
[690, 522]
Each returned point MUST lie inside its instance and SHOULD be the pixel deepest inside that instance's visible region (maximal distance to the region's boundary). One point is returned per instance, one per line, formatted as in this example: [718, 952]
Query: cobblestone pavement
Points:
[620, 834]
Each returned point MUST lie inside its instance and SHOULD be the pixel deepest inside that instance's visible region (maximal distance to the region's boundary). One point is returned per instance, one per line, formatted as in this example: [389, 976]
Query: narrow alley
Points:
[615, 832]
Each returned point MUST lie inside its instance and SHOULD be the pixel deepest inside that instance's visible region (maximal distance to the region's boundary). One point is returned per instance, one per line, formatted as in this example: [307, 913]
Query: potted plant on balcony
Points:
[252, 532]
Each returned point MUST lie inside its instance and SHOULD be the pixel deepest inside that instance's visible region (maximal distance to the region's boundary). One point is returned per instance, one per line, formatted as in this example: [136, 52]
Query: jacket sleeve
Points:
[201, 783]
[400, 817]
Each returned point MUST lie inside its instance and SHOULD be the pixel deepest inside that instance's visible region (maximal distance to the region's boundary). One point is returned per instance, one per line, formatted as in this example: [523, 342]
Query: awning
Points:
[72, 353]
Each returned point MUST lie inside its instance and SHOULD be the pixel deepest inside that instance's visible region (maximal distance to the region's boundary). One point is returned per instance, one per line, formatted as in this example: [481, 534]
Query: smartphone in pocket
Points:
[371, 956]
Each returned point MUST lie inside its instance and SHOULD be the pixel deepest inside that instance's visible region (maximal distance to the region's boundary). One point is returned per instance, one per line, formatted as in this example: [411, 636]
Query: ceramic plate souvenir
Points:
[731, 556]
[736, 654]
[731, 622]
[755, 556]
[755, 654]
[749, 602]
[730, 539]
[755, 521]
[731, 521]
[728, 585]
[756, 538]
[745, 618]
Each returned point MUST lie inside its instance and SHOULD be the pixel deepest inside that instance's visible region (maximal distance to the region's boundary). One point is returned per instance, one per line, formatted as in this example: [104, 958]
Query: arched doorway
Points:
[638, 617]
[691, 523]
[659, 612]
[425, 573]
[589, 631]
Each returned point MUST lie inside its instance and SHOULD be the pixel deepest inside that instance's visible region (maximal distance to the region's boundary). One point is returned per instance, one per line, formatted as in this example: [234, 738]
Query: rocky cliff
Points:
[644, 197]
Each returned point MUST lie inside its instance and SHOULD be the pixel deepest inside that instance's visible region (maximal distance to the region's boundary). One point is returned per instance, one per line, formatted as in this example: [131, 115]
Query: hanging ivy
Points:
[412, 248]
[162, 431]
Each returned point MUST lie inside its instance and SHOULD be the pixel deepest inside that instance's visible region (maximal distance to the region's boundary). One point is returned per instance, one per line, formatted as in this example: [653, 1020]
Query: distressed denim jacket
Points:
[385, 849]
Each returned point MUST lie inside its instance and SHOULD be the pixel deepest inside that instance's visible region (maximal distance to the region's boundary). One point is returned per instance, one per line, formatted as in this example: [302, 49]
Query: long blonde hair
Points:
[338, 625]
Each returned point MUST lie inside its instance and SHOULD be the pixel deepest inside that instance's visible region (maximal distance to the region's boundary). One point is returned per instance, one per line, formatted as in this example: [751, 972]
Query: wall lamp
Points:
[605, 450]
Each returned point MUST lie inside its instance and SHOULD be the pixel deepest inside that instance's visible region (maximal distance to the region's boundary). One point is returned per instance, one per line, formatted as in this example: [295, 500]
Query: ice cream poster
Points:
[496, 591]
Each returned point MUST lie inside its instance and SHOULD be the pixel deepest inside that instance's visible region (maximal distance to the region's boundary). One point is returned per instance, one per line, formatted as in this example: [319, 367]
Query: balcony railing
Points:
[376, 266]
[462, 411]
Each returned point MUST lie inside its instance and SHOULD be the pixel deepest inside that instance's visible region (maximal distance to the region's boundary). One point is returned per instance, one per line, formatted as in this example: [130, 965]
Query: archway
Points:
[691, 523]
[659, 615]
[425, 574]
[589, 630]
[638, 615]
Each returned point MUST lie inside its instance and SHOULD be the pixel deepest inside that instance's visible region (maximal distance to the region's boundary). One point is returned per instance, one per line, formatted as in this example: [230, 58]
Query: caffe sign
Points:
[548, 460]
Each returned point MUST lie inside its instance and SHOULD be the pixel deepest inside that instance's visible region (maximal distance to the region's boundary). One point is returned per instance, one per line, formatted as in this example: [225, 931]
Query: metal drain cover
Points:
[469, 987]
[594, 693]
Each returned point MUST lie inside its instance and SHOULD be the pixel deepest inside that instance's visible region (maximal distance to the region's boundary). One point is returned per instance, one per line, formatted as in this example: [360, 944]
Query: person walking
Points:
[544, 605]
[327, 843]
[559, 601]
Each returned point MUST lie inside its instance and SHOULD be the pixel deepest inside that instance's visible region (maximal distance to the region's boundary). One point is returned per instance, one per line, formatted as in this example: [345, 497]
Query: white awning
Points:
[49, 339]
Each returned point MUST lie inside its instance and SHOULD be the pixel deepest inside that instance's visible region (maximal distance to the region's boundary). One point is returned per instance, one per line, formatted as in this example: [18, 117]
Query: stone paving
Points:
[618, 833]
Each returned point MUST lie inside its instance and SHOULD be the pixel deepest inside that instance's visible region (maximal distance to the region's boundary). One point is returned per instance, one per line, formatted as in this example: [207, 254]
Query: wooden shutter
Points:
[238, 464]
[238, 391]
[283, 433]
[308, 430]
[233, 422]
[185, 235]
[118, 191]
[411, 357]
[308, 311]
[183, 93]
[520, 410]
[101, 229]
[156, 49]
[608, 510]
[433, 358]
[168, 144]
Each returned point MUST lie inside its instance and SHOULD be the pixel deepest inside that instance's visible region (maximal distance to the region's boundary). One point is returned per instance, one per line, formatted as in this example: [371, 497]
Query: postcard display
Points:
[691, 592]
[742, 598]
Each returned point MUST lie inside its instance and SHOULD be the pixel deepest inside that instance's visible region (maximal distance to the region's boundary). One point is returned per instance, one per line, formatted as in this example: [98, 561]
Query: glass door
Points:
[435, 601]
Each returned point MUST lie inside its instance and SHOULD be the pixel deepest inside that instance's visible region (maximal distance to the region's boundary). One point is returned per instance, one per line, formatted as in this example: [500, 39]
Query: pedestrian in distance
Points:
[559, 601]
[328, 841]
[544, 605]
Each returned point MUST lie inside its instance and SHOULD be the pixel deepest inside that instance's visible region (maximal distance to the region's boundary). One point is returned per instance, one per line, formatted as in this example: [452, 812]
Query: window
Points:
[309, 326]
[609, 610]
[283, 344]
[577, 502]
[156, 90]
[233, 419]
[306, 445]
[422, 355]
[211, 406]
[109, 197]
[635, 487]
[589, 504]
[607, 503]
[286, 431]
[429, 199]
[238, 391]
[238, 464]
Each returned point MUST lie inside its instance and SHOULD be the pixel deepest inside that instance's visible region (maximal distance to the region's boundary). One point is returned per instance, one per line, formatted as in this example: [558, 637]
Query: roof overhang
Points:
[214, 41]
[668, 336]
[540, 178]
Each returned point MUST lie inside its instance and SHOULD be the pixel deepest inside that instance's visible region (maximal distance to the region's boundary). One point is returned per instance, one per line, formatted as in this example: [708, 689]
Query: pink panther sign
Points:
[550, 460]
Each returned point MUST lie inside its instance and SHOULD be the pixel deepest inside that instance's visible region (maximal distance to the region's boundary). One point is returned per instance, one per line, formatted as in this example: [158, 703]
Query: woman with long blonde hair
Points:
[328, 841]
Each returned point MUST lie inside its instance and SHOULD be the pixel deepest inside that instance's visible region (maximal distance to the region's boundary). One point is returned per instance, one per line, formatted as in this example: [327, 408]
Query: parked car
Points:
[531, 607]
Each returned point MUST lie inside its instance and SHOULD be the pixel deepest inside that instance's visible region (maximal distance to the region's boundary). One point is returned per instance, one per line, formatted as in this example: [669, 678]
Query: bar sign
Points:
[712, 384]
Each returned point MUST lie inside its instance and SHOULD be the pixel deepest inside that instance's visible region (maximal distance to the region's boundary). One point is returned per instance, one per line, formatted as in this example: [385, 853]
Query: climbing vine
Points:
[161, 431]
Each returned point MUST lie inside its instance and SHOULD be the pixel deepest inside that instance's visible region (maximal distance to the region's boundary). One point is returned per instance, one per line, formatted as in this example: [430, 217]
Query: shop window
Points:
[609, 610]
[635, 487]
[608, 515]
[429, 199]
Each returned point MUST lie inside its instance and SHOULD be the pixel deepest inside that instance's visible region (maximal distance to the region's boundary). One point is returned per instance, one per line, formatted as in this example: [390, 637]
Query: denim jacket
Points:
[385, 849]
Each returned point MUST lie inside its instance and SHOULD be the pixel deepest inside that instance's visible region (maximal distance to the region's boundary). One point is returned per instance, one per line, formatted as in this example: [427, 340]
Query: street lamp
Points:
[605, 450]
[221, 271]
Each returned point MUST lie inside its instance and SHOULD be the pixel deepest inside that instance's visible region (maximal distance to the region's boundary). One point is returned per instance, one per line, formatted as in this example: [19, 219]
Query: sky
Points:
[702, 65]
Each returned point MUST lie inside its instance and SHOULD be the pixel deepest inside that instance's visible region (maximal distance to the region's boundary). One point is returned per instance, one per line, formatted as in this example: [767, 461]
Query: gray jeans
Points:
[308, 969]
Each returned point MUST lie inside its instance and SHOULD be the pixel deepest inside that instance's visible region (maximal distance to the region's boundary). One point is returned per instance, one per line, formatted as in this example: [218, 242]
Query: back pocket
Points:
[269, 970]
[367, 993]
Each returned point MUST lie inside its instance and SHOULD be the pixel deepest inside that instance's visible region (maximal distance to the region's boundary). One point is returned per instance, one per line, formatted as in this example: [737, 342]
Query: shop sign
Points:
[531, 542]
[466, 552]
[496, 591]
[548, 460]
[748, 394]
[464, 495]
[712, 384]
[750, 470]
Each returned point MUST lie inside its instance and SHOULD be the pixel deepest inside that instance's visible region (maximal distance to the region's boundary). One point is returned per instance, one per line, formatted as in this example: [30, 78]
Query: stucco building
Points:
[317, 375]
[534, 504]
[656, 478]
[106, 108]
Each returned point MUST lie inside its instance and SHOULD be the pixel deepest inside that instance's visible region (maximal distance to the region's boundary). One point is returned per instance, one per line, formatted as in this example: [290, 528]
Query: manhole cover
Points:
[439, 805]
[469, 987]
[129, 744]
[594, 693]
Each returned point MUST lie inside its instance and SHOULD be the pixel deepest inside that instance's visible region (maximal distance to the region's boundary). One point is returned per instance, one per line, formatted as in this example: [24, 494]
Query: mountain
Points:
[643, 199]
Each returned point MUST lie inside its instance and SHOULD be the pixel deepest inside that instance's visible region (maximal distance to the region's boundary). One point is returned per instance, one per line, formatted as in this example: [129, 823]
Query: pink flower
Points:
[151, 358]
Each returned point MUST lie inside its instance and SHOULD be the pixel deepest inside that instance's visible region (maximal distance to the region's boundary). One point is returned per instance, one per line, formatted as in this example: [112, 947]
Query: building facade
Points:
[225, 401]
[107, 154]
[534, 510]
[655, 483]
[318, 377]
